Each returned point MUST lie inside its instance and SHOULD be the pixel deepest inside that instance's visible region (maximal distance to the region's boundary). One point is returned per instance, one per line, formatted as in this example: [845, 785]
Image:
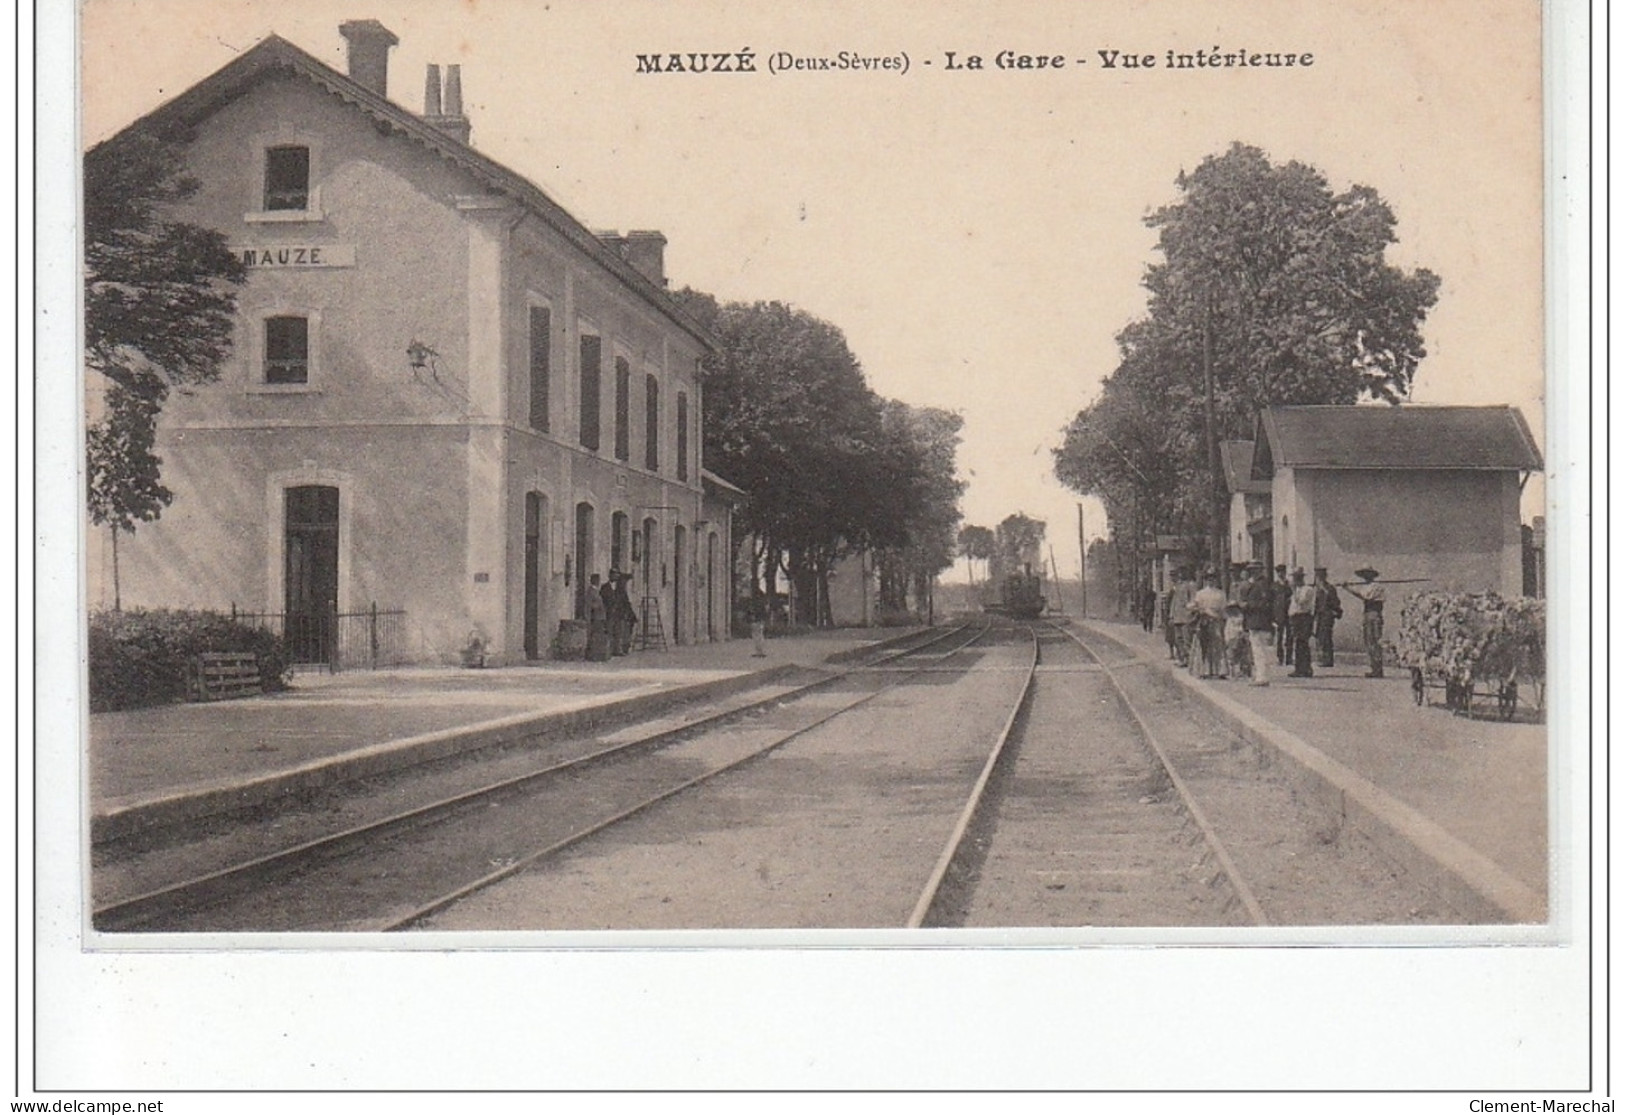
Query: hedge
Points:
[139, 658]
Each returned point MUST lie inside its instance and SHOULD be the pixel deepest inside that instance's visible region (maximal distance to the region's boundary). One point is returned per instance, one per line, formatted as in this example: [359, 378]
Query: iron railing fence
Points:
[337, 640]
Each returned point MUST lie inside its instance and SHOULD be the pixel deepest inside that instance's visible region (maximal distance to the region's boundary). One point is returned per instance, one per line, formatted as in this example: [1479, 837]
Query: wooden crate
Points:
[218, 676]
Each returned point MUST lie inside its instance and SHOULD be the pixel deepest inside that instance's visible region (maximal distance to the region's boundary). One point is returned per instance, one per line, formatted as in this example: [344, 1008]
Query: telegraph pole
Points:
[1215, 474]
[1083, 563]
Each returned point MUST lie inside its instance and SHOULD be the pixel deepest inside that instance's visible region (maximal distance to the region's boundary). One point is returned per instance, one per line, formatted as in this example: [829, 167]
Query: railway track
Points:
[1120, 802]
[1075, 793]
[1081, 818]
[1003, 775]
[342, 879]
[851, 826]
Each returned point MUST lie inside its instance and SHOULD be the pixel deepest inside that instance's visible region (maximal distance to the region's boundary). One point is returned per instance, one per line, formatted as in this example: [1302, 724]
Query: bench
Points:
[218, 676]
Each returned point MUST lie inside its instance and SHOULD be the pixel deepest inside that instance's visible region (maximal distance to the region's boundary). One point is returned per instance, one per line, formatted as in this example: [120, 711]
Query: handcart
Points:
[1474, 645]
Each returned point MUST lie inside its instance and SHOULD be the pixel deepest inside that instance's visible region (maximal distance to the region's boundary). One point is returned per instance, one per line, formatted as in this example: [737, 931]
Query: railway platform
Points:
[1465, 796]
[179, 762]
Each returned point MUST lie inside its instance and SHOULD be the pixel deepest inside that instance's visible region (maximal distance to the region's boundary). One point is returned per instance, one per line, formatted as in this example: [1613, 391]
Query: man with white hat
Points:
[1301, 618]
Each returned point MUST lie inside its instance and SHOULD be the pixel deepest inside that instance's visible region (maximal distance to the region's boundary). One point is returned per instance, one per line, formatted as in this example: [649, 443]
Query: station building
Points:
[447, 397]
[1424, 494]
[1249, 504]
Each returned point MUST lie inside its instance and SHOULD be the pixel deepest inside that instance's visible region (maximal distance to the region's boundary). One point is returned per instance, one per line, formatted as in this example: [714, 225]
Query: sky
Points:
[977, 234]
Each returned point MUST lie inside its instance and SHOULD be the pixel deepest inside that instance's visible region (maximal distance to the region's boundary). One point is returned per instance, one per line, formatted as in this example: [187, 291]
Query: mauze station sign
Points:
[284, 256]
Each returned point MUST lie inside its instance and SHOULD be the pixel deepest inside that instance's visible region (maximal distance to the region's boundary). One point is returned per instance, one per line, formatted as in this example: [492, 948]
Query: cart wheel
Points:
[1419, 687]
[1508, 700]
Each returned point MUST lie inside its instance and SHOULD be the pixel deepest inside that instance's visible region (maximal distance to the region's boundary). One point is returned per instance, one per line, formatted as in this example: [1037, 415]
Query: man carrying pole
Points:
[1372, 596]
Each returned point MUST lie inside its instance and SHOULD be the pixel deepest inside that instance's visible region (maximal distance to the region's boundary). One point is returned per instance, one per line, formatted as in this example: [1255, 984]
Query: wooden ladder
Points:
[653, 634]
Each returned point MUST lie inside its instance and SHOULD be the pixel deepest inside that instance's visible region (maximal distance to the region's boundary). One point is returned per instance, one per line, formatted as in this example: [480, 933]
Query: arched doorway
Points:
[536, 572]
[583, 557]
[679, 573]
[711, 586]
[647, 558]
[310, 571]
[618, 542]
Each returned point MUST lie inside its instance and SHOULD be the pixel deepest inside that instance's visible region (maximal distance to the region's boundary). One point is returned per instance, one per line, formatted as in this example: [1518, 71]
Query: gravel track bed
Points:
[399, 873]
[838, 828]
[1081, 827]
[1304, 866]
[130, 867]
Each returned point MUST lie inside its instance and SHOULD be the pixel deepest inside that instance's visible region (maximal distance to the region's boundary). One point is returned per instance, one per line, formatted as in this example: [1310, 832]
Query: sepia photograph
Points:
[973, 478]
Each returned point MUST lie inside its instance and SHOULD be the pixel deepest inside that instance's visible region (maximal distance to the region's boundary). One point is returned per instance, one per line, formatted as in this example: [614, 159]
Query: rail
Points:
[1243, 892]
[213, 887]
[928, 896]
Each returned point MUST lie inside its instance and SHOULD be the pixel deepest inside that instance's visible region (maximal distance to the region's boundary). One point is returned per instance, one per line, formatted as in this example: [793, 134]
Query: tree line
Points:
[830, 469]
[1271, 289]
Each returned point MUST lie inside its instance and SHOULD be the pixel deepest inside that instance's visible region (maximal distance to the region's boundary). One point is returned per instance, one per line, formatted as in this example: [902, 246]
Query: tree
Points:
[1149, 472]
[122, 480]
[1276, 290]
[975, 544]
[929, 503]
[1289, 282]
[1017, 544]
[159, 300]
[791, 420]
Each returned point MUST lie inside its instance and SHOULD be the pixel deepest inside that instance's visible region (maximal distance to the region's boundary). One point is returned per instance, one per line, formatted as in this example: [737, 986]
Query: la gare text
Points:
[957, 61]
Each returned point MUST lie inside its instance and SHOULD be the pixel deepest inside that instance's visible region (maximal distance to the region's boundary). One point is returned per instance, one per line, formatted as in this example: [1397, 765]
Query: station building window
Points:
[623, 409]
[651, 423]
[287, 178]
[592, 355]
[682, 435]
[541, 370]
[287, 350]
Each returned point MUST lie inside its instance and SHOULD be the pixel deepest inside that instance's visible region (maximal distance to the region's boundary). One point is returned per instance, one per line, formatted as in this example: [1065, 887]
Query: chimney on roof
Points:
[446, 114]
[645, 249]
[369, 53]
[431, 91]
[454, 90]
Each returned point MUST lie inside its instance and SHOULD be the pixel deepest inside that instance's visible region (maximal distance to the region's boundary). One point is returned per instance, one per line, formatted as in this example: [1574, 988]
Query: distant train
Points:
[1020, 595]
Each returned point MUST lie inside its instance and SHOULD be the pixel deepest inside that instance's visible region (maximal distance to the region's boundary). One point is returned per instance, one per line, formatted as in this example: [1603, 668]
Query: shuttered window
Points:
[592, 354]
[651, 424]
[623, 409]
[541, 370]
[682, 435]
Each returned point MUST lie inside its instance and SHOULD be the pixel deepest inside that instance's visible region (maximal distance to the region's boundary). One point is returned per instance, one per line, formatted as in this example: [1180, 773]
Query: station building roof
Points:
[274, 56]
[1236, 457]
[1394, 437]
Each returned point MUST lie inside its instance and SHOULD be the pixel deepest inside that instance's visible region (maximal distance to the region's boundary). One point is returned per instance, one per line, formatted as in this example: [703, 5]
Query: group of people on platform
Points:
[1235, 636]
[610, 616]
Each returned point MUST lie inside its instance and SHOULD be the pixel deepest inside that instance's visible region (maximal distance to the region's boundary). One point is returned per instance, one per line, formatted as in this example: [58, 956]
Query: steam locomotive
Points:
[1020, 595]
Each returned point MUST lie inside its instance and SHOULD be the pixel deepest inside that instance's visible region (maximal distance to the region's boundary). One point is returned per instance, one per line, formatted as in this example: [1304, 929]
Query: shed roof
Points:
[1237, 460]
[1395, 437]
[717, 486]
[276, 55]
